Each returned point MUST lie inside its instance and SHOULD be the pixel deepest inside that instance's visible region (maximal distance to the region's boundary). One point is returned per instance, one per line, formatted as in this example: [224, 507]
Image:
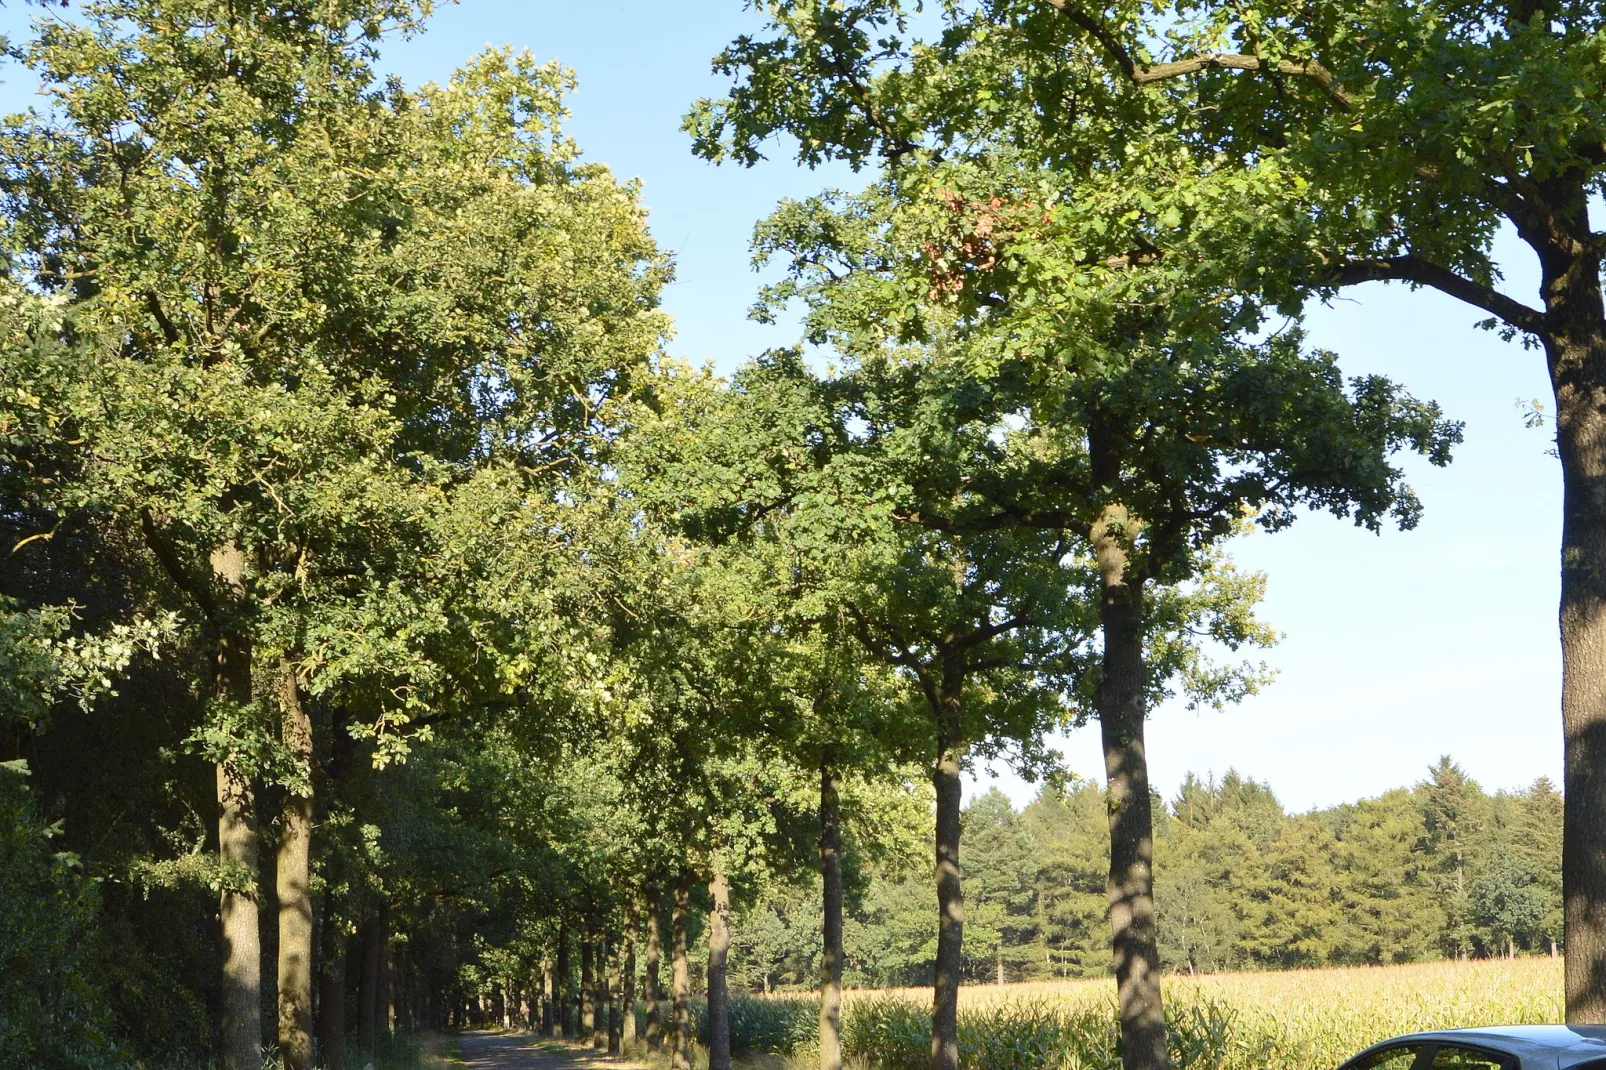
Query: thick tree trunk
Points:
[1121, 706]
[1576, 353]
[239, 849]
[680, 973]
[588, 984]
[564, 1027]
[831, 923]
[616, 1023]
[654, 979]
[945, 777]
[239, 852]
[293, 875]
[719, 946]
[627, 1035]
[332, 990]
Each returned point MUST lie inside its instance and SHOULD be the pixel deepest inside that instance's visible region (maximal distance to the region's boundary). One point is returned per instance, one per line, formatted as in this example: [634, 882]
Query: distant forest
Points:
[1441, 869]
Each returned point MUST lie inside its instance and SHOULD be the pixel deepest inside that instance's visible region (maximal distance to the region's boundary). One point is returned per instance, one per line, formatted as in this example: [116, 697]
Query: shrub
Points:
[52, 1016]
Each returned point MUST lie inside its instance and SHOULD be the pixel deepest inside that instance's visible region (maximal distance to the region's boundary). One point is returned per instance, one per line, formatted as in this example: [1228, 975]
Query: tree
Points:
[1310, 149]
[1093, 359]
[282, 313]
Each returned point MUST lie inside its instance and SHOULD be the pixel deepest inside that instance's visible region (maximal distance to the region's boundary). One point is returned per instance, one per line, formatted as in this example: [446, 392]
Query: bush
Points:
[52, 1015]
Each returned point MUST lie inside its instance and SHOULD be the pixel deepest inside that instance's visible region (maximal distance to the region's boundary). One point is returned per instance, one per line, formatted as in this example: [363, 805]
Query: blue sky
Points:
[1397, 648]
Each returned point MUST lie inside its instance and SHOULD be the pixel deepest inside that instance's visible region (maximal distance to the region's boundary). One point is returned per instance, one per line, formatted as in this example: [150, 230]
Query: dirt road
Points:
[515, 1051]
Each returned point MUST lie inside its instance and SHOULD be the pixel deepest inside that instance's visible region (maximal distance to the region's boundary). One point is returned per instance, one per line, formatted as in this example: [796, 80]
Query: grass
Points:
[1293, 1020]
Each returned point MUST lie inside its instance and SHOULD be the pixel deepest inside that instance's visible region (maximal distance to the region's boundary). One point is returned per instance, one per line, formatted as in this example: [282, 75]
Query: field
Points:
[1295, 1020]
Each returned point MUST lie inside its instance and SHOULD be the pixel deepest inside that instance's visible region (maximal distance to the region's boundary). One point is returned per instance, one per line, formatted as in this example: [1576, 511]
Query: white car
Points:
[1506, 1047]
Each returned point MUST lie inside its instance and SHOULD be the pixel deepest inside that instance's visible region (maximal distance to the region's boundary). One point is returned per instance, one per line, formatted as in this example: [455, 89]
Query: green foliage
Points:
[53, 1014]
[1241, 885]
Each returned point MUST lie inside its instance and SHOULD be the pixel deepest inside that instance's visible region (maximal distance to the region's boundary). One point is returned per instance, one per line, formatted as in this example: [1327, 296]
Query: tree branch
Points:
[1426, 273]
[1210, 61]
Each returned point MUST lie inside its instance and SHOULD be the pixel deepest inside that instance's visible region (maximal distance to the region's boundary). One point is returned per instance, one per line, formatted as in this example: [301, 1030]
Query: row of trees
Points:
[1438, 870]
[468, 643]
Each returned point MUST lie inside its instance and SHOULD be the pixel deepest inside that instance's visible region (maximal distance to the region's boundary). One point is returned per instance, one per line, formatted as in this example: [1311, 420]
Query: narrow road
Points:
[521, 1051]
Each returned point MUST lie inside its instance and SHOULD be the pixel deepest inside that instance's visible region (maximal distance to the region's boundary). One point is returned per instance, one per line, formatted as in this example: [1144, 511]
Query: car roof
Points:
[1567, 1045]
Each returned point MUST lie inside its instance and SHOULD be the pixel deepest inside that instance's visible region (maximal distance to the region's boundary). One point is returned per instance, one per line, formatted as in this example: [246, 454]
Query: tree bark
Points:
[616, 1024]
[1576, 354]
[680, 972]
[588, 982]
[831, 923]
[627, 1035]
[239, 852]
[563, 1028]
[239, 847]
[599, 993]
[654, 980]
[719, 945]
[293, 875]
[1121, 704]
[548, 995]
[945, 778]
[332, 990]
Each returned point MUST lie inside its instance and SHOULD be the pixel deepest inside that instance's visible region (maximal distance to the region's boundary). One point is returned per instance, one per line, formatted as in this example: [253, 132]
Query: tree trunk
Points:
[680, 973]
[239, 848]
[719, 945]
[1121, 705]
[294, 882]
[1576, 353]
[599, 993]
[238, 851]
[654, 980]
[332, 990]
[831, 923]
[945, 778]
[627, 1035]
[370, 1000]
[549, 1016]
[563, 1029]
[616, 1024]
[588, 983]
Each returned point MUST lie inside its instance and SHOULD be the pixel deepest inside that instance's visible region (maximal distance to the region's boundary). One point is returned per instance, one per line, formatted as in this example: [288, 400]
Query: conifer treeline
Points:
[1440, 869]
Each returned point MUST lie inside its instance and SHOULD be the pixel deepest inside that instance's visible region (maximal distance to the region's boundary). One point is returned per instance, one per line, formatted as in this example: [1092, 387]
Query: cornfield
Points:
[1294, 1020]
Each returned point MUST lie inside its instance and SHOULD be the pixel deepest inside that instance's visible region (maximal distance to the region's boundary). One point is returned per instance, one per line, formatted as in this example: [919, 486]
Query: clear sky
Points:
[1398, 648]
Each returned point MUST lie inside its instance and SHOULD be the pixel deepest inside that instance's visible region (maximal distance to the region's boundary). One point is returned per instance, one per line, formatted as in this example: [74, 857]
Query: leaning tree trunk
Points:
[831, 923]
[1121, 704]
[945, 777]
[654, 981]
[719, 946]
[680, 974]
[1576, 353]
[294, 881]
